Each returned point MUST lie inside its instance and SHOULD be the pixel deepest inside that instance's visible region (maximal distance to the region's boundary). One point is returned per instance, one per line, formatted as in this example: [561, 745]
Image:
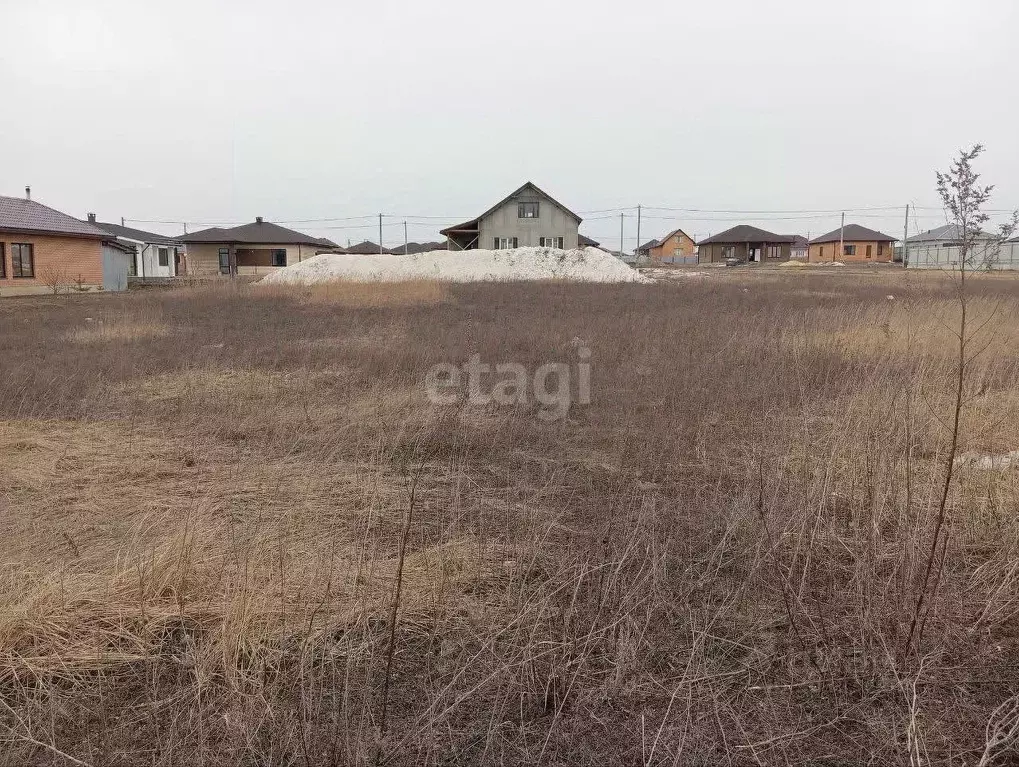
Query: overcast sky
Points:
[309, 109]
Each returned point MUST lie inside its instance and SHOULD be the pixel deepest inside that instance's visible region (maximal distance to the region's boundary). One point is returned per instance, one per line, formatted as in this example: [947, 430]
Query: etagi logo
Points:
[510, 383]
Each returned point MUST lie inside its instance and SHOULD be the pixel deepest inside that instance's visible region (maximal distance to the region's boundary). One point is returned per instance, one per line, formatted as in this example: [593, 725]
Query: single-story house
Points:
[644, 251]
[799, 248]
[940, 248]
[366, 248]
[155, 255]
[745, 243]
[583, 241]
[42, 250]
[858, 243]
[417, 247]
[249, 250]
[527, 217]
[677, 247]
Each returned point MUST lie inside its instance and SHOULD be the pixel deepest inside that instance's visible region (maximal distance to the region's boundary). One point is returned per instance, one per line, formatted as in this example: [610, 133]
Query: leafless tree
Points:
[964, 199]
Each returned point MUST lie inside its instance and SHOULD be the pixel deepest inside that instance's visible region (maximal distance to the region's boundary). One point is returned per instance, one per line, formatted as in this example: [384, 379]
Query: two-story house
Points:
[526, 218]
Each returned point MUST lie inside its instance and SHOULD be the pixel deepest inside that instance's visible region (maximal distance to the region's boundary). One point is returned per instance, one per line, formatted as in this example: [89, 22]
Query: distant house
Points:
[155, 255]
[586, 242]
[527, 217]
[799, 248]
[852, 243]
[745, 243]
[677, 247]
[418, 247]
[940, 248]
[249, 250]
[42, 249]
[644, 251]
[366, 248]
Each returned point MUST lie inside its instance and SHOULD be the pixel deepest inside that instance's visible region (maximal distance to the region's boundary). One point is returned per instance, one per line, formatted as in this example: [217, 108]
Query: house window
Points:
[868, 251]
[3, 261]
[164, 257]
[527, 210]
[774, 251]
[848, 250]
[224, 260]
[880, 249]
[728, 251]
[22, 260]
[132, 265]
[505, 243]
[820, 251]
[551, 242]
[279, 257]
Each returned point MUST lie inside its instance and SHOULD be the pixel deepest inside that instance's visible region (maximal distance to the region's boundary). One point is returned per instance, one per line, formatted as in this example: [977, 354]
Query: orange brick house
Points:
[43, 250]
[676, 247]
[852, 243]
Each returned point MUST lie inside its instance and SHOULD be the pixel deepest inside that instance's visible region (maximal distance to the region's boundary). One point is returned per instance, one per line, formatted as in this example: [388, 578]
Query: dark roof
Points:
[587, 242]
[134, 234]
[18, 214]
[472, 225]
[117, 245]
[854, 233]
[256, 233]
[366, 248]
[946, 233]
[798, 240]
[325, 242]
[745, 233]
[648, 245]
[419, 247]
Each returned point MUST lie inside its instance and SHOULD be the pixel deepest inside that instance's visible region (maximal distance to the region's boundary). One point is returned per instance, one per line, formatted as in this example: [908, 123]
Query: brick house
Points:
[852, 243]
[42, 249]
[677, 247]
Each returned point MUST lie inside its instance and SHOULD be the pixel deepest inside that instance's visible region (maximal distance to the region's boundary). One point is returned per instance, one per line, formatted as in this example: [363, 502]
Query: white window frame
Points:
[552, 242]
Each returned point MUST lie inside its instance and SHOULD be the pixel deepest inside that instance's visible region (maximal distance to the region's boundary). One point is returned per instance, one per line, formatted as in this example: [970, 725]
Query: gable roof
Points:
[745, 233]
[946, 233]
[669, 236]
[18, 214]
[134, 234]
[854, 233]
[257, 233]
[587, 242]
[798, 240]
[474, 222]
[648, 245]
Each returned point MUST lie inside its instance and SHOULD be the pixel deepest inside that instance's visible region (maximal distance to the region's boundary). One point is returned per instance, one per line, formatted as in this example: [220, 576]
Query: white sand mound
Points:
[582, 265]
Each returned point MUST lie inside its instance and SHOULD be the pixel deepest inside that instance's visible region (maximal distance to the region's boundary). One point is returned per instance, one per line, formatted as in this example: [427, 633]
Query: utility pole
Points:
[406, 245]
[842, 238]
[808, 246]
[380, 234]
[638, 227]
[635, 255]
[121, 220]
[905, 234]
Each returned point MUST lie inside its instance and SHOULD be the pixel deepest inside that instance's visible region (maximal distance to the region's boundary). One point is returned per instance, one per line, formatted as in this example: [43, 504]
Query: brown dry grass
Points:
[202, 501]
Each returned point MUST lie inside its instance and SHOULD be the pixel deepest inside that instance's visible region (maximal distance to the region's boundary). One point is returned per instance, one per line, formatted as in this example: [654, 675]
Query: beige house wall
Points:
[202, 259]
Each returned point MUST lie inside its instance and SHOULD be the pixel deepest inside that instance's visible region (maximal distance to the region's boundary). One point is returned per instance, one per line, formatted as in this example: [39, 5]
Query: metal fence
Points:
[984, 257]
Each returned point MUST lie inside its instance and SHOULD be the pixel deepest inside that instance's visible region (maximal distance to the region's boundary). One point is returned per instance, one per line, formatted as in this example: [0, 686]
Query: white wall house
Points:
[526, 218]
[940, 249]
[156, 255]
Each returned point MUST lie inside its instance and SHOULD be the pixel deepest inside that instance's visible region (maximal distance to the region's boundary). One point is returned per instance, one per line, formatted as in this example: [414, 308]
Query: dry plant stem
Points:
[393, 615]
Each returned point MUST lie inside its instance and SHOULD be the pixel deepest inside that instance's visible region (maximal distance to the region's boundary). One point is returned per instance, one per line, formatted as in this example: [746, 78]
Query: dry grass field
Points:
[208, 497]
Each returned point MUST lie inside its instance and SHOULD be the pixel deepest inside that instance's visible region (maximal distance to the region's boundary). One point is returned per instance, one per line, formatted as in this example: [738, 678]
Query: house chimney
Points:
[91, 218]
[28, 193]
[258, 219]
